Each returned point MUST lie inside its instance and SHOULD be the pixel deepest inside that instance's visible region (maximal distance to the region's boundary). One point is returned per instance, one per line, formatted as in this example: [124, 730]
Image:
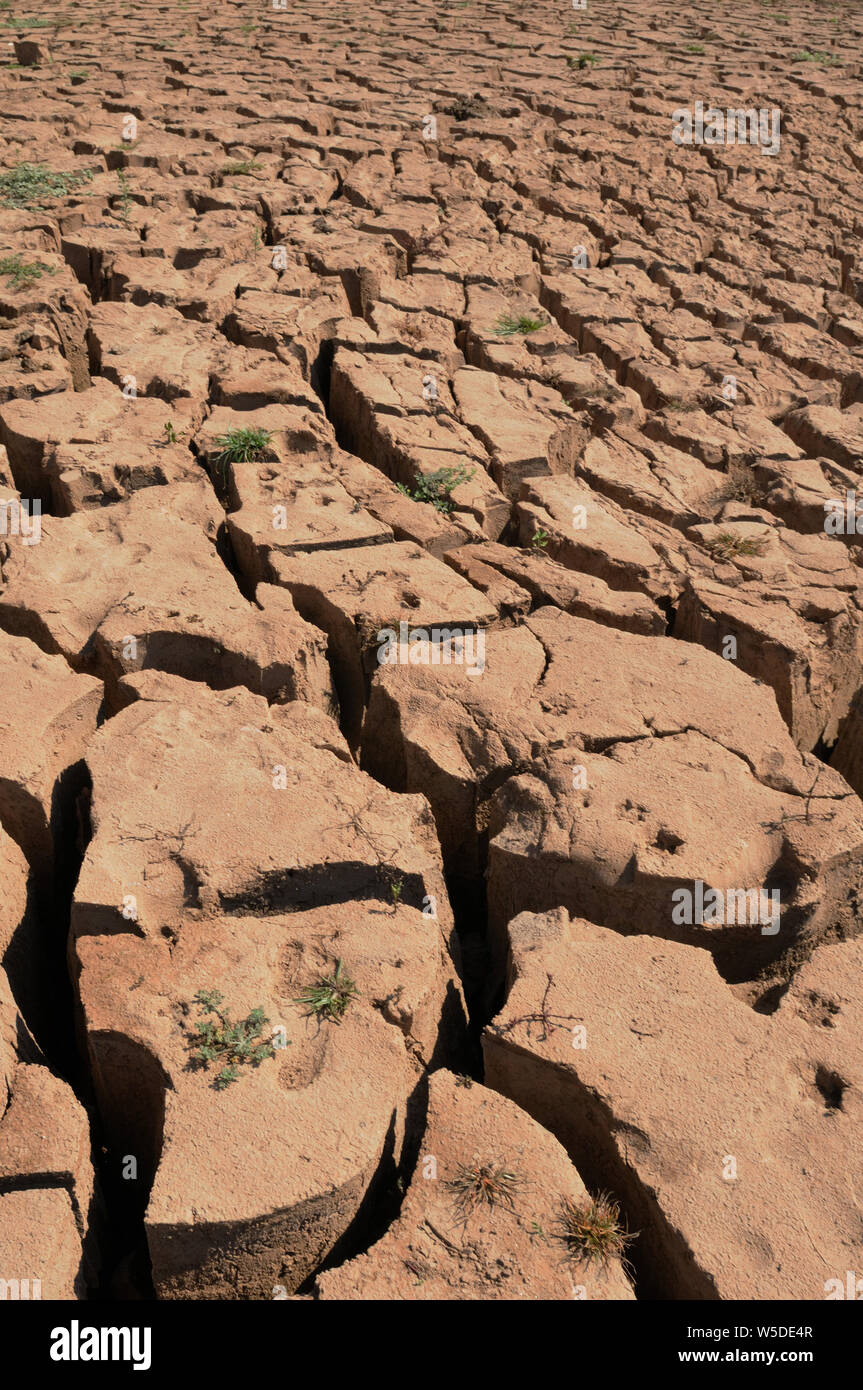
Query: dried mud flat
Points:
[430, 651]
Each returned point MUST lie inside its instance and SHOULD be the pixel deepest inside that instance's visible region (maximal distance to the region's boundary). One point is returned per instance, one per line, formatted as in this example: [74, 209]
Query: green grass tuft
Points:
[329, 995]
[727, 545]
[508, 325]
[242, 445]
[479, 1184]
[593, 1230]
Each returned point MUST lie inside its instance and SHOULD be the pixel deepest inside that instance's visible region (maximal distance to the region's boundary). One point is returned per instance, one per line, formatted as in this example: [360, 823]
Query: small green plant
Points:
[726, 546]
[28, 185]
[479, 1184]
[329, 996]
[240, 166]
[396, 890]
[694, 48]
[23, 273]
[826, 60]
[78, 74]
[508, 325]
[170, 433]
[593, 1230]
[219, 1041]
[125, 199]
[583, 60]
[463, 1080]
[539, 539]
[437, 487]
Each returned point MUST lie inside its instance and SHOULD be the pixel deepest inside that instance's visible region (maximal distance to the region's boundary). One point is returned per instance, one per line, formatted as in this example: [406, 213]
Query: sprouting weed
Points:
[219, 1041]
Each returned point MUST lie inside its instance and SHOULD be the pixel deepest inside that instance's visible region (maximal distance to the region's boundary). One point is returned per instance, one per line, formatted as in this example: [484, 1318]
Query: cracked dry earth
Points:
[394, 242]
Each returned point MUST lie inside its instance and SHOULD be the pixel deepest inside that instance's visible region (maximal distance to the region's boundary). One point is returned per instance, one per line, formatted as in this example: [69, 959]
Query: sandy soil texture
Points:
[431, 697]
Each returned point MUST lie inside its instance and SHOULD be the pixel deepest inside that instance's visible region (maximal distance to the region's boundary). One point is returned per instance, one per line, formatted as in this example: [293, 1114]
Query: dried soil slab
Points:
[92, 251]
[31, 359]
[167, 355]
[40, 1245]
[15, 918]
[706, 437]
[51, 290]
[48, 1200]
[158, 595]
[547, 355]
[379, 412]
[84, 476]
[355, 594]
[409, 520]
[815, 354]
[456, 735]
[186, 242]
[593, 534]
[436, 1251]
[847, 755]
[359, 260]
[206, 292]
[297, 506]
[424, 334]
[805, 492]
[823, 430]
[32, 431]
[650, 478]
[252, 379]
[547, 582]
[720, 1188]
[255, 895]
[793, 605]
[286, 323]
[49, 713]
[527, 429]
[291, 429]
[664, 757]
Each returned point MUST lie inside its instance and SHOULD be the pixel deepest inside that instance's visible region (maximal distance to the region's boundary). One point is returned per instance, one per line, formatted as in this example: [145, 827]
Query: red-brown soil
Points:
[325, 330]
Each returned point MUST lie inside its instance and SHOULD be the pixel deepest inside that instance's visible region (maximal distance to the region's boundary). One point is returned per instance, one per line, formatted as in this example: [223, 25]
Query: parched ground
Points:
[332, 977]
